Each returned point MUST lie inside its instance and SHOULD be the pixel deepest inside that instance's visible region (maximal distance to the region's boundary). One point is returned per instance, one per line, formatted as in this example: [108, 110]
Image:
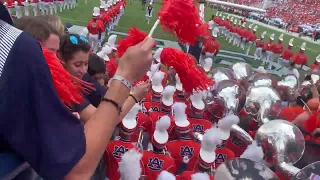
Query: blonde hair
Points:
[55, 22]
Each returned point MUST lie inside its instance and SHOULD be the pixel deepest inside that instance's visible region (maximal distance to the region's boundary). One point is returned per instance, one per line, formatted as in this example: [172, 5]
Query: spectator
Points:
[38, 127]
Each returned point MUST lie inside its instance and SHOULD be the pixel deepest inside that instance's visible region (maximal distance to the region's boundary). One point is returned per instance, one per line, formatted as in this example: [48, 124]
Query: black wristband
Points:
[134, 98]
[118, 107]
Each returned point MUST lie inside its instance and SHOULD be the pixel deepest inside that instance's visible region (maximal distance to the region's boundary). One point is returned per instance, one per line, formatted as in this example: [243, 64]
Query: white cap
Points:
[291, 42]
[112, 41]
[200, 176]
[244, 24]
[255, 28]
[157, 82]
[129, 121]
[250, 26]
[318, 58]
[263, 34]
[215, 32]
[281, 37]
[207, 64]
[129, 166]
[303, 46]
[96, 11]
[102, 4]
[211, 23]
[210, 140]
[165, 175]
[261, 69]
[235, 21]
[179, 114]
[154, 68]
[167, 95]
[157, 55]
[178, 83]
[272, 37]
[160, 135]
[225, 124]
[196, 100]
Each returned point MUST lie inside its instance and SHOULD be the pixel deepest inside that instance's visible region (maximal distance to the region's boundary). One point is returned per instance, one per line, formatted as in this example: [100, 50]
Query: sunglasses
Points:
[75, 40]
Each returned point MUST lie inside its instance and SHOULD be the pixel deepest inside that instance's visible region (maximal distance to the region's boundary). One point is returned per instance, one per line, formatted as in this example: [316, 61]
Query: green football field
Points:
[135, 16]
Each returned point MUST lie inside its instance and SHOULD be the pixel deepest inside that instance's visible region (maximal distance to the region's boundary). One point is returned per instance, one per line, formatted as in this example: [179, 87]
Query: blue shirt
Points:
[94, 96]
[33, 121]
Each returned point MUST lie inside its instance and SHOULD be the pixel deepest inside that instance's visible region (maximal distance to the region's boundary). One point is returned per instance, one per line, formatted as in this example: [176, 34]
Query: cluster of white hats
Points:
[108, 47]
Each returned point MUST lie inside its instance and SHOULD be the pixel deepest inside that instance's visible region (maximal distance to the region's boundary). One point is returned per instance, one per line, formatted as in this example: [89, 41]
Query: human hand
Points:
[136, 61]
[141, 90]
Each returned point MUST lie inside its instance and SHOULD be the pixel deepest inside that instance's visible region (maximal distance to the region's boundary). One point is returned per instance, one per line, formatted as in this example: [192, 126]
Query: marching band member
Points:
[149, 13]
[286, 57]
[9, 5]
[34, 5]
[50, 6]
[26, 7]
[112, 44]
[180, 94]
[246, 35]
[73, 4]
[207, 154]
[251, 39]
[242, 34]
[211, 47]
[95, 28]
[56, 4]
[153, 98]
[269, 53]
[17, 6]
[195, 113]
[259, 53]
[184, 145]
[116, 149]
[236, 39]
[276, 49]
[316, 64]
[66, 5]
[232, 31]
[300, 58]
[156, 160]
[61, 4]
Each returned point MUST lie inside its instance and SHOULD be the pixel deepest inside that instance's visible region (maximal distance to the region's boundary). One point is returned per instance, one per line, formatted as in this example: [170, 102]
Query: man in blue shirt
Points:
[37, 126]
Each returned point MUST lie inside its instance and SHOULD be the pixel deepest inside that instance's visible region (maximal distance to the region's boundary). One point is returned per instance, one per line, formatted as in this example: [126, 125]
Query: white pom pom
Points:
[200, 176]
[211, 139]
[179, 110]
[168, 92]
[227, 122]
[165, 175]
[163, 124]
[157, 54]
[129, 166]
[253, 152]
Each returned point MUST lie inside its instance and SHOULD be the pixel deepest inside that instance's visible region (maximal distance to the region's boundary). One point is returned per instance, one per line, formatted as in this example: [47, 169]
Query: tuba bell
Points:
[241, 168]
[312, 171]
[220, 73]
[283, 144]
[288, 88]
[262, 79]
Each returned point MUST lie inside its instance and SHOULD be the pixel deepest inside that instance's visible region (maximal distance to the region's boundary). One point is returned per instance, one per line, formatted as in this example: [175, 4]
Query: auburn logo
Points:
[155, 164]
[119, 151]
[220, 158]
[198, 128]
[186, 151]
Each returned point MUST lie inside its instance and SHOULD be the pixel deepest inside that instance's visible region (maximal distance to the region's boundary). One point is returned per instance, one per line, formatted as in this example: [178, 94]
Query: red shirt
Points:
[153, 164]
[290, 113]
[154, 117]
[95, 27]
[152, 106]
[247, 33]
[211, 46]
[112, 156]
[187, 176]
[199, 125]
[252, 37]
[267, 46]
[287, 54]
[315, 66]
[10, 3]
[180, 148]
[300, 58]
[277, 48]
[222, 155]
[260, 43]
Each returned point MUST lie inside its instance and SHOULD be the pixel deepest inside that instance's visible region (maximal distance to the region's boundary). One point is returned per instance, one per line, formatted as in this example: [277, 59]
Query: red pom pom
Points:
[112, 67]
[180, 17]
[135, 36]
[69, 88]
[191, 77]
[312, 123]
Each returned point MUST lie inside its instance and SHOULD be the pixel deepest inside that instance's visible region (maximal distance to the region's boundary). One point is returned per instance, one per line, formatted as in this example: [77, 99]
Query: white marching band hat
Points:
[160, 135]
[225, 124]
[263, 34]
[157, 54]
[167, 95]
[209, 142]
[318, 58]
[235, 21]
[255, 28]
[112, 41]
[129, 122]
[250, 26]
[96, 11]
[196, 101]
[253, 152]
[272, 37]
[215, 32]
[200, 176]
[281, 37]
[291, 42]
[157, 82]
[180, 117]
[244, 24]
[303, 46]
[102, 4]
[211, 23]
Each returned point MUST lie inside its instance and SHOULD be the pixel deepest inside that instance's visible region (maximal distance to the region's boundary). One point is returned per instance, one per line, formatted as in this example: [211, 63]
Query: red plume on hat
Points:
[69, 88]
[135, 36]
[179, 17]
[191, 77]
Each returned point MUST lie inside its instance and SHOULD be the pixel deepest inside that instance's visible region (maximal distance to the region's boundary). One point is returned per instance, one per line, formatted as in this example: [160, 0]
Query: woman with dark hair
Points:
[75, 52]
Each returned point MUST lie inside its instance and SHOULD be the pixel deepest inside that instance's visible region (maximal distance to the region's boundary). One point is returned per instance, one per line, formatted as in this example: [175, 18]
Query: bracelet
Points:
[123, 81]
[134, 98]
[116, 105]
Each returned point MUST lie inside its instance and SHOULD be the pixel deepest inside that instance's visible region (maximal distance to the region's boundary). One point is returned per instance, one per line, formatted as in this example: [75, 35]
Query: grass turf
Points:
[135, 16]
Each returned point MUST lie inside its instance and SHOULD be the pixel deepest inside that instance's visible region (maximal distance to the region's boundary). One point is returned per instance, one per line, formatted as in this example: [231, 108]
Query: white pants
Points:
[26, 9]
[50, 6]
[282, 61]
[236, 40]
[94, 42]
[298, 66]
[231, 37]
[270, 58]
[61, 4]
[18, 12]
[242, 43]
[35, 8]
[55, 6]
[249, 47]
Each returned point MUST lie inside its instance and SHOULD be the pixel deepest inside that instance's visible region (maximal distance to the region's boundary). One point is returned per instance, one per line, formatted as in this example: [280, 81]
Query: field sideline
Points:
[135, 16]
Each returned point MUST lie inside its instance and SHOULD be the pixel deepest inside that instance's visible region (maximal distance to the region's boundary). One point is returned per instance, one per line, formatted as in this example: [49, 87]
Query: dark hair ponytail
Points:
[71, 44]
